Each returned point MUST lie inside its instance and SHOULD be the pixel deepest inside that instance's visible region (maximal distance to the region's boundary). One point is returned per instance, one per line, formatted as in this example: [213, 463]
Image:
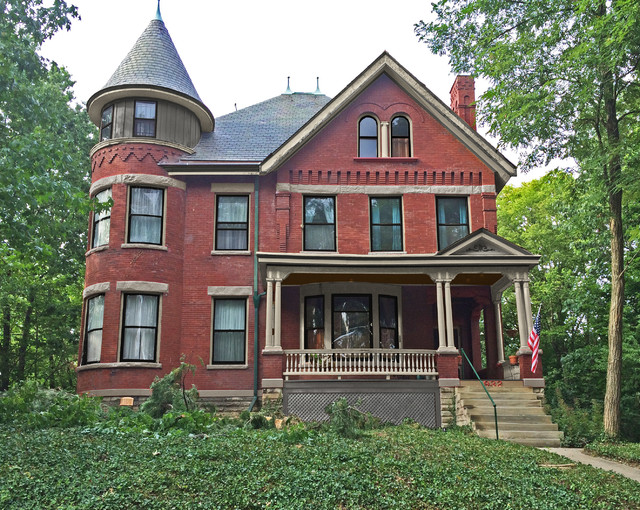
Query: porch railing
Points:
[360, 362]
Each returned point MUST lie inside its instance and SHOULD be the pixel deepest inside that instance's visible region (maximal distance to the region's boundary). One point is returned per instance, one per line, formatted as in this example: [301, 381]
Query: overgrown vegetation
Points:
[624, 452]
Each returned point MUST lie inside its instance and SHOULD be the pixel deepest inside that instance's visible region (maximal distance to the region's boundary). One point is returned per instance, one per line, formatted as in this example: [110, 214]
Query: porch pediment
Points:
[483, 243]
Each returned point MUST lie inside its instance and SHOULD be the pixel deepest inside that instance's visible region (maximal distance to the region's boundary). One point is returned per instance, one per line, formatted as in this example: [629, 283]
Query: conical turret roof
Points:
[152, 64]
[154, 61]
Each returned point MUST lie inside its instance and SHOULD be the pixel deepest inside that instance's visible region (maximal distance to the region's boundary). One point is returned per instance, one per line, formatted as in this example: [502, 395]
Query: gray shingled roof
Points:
[251, 134]
[154, 61]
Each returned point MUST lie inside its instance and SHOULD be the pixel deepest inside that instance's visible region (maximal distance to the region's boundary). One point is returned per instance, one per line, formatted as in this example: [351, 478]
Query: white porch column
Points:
[277, 338]
[449, 314]
[499, 338]
[384, 139]
[527, 305]
[522, 318]
[269, 320]
[442, 333]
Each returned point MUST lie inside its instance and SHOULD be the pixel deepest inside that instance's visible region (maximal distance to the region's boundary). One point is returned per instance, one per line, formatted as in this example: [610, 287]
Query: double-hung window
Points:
[146, 207]
[388, 321]
[386, 224]
[232, 222]
[139, 327]
[144, 119]
[368, 138]
[93, 330]
[106, 123]
[101, 220]
[453, 220]
[319, 224]
[229, 331]
[400, 138]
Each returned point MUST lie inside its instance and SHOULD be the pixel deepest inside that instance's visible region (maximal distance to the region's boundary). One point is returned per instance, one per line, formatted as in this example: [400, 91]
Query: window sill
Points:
[143, 246]
[231, 252]
[122, 364]
[387, 253]
[386, 160]
[227, 367]
[96, 249]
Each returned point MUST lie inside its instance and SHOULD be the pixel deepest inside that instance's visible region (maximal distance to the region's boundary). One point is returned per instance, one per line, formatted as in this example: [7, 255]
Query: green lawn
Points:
[395, 467]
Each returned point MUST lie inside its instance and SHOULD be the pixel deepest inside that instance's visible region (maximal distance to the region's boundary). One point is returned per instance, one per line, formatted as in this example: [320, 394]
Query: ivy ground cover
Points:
[394, 467]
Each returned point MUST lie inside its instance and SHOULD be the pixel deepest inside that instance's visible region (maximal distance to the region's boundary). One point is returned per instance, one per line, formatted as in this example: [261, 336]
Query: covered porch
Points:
[394, 316]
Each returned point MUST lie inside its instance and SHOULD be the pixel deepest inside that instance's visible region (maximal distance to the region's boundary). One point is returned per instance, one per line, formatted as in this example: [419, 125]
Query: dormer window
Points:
[106, 123]
[368, 138]
[144, 120]
[400, 138]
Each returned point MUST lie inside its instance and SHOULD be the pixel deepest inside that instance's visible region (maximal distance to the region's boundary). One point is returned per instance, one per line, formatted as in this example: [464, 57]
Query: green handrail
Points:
[495, 411]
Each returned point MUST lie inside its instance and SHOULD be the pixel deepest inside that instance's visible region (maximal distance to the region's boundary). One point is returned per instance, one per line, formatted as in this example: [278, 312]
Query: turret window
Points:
[144, 120]
[106, 123]
[93, 330]
[146, 207]
[102, 220]
[140, 327]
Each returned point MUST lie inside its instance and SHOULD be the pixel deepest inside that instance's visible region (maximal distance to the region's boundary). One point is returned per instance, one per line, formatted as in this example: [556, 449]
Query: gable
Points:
[483, 243]
[419, 96]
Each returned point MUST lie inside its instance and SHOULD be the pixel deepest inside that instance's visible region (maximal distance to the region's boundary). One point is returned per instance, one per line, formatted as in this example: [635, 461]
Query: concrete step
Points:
[503, 395]
[502, 411]
[501, 403]
[512, 418]
[526, 426]
[505, 386]
[520, 434]
[539, 443]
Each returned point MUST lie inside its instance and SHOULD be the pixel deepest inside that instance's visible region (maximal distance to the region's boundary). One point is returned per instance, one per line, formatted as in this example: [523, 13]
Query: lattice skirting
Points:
[391, 401]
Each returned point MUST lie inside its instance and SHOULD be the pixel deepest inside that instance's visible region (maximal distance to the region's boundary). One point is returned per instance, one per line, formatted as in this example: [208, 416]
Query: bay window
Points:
[139, 327]
[146, 207]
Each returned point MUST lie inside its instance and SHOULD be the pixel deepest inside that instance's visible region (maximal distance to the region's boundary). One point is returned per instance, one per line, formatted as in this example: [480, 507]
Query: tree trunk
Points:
[5, 348]
[24, 340]
[614, 170]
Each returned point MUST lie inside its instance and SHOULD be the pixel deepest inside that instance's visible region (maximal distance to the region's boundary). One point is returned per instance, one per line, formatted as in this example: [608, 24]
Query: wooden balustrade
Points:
[360, 362]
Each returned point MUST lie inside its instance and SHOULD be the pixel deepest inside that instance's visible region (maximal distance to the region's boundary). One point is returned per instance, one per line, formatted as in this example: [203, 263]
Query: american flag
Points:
[534, 342]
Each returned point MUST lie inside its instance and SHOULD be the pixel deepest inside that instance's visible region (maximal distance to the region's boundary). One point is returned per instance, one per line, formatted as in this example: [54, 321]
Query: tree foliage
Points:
[563, 83]
[44, 145]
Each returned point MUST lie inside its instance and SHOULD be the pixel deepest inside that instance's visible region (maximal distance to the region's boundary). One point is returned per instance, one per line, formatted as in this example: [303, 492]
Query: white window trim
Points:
[230, 292]
[140, 287]
[328, 289]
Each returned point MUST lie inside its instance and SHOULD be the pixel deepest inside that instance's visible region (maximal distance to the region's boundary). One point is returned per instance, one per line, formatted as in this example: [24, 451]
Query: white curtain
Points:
[102, 220]
[146, 215]
[140, 326]
[95, 314]
[229, 330]
[232, 218]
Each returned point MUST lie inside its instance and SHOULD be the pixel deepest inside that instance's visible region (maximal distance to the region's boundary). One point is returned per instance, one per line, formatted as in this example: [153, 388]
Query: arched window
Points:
[368, 138]
[400, 138]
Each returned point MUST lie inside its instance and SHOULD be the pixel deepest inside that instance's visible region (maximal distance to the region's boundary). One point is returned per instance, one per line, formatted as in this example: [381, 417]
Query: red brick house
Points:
[304, 246]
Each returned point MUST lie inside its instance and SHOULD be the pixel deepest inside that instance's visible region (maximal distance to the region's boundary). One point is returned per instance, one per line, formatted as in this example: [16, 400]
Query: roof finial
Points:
[158, 15]
[288, 91]
[317, 92]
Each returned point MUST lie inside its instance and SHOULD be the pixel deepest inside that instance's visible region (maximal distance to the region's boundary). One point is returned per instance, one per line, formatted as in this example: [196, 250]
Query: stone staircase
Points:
[521, 417]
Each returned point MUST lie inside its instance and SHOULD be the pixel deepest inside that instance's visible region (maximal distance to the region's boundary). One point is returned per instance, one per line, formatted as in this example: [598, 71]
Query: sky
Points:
[241, 52]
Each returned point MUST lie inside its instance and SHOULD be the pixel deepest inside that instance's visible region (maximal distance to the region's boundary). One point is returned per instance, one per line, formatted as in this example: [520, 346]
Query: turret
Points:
[150, 96]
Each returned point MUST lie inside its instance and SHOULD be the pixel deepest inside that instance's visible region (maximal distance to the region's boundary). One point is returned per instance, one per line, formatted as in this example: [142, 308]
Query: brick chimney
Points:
[463, 99]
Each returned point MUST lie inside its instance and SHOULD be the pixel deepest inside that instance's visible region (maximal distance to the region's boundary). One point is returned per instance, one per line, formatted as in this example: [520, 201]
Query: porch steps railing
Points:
[360, 362]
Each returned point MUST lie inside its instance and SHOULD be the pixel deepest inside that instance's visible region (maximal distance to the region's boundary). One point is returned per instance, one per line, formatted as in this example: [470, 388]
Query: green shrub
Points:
[581, 425]
[344, 419]
[170, 393]
[26, 405]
